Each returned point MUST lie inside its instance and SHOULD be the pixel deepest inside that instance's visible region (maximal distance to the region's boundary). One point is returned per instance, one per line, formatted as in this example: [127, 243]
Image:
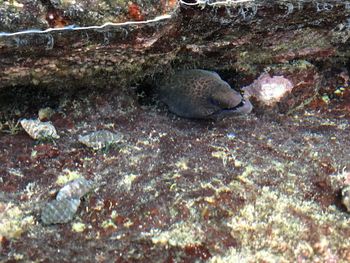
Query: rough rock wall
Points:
[94, 43]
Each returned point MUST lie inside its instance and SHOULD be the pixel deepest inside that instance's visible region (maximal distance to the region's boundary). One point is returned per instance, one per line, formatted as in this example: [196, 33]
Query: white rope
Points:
[210, 3]
[75, 28]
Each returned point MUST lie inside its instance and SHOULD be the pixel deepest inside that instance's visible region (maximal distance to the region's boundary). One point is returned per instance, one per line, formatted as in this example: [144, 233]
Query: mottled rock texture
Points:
[239, 36]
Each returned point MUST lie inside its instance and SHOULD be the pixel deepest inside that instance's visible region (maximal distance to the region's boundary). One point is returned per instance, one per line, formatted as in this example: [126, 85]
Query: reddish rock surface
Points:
[179, 190]
[258, 188]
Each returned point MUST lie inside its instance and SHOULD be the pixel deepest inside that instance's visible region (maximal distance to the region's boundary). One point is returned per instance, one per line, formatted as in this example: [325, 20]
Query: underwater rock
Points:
[118, 42]
[100, 139]
[268, 90]
[59, 211]
[75, 189]
[200, 94]
[345, 195]
[39, 130]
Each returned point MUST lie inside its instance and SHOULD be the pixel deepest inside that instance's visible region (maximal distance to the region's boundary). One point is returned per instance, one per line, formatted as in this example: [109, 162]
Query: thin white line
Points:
[196, 3]
[206, 2]
[229, 2]
[72, 27]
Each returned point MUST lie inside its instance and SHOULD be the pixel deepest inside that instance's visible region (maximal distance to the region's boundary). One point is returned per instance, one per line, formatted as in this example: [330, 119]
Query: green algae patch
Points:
[181, 234]
[13, 221]
[279, 227]
[78, 227]
[67, 177]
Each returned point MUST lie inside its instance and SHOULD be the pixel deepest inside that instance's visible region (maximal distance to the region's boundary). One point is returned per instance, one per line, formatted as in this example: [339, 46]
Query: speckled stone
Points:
[38, 129]
[59, 211]
[200, 94]
[75, 189]
[100, 139]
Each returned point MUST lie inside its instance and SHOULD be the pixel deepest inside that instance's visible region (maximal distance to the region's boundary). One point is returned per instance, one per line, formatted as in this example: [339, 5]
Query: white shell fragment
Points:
[100, 139]
[345, 195]
[75, 189]
[59, 211]
[39, 130]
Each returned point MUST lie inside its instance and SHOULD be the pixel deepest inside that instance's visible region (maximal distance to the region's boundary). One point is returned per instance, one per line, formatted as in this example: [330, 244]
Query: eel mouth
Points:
[243, 107]
[241, 104]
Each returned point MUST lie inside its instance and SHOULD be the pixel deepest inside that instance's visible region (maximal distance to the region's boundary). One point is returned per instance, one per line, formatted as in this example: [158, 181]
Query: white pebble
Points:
[38, 129]
[100, 139]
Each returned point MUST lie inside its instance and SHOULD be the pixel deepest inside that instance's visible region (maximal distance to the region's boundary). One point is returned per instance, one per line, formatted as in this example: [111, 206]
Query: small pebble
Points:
[75, 189]
[100, 139]
[231, 135]
[39, 130]
[45, 114]
[345, 194]
[59, 211]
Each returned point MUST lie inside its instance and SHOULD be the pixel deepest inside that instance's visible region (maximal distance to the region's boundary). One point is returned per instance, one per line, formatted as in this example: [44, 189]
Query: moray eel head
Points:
[201, 94]
[229, 102]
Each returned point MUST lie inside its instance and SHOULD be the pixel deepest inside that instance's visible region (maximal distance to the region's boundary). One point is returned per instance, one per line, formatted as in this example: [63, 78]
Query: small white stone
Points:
[75, 189]
[100, 139]
[38, 129]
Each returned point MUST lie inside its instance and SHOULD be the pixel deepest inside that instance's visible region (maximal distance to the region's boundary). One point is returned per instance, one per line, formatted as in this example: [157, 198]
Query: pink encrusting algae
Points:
[269, 90]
